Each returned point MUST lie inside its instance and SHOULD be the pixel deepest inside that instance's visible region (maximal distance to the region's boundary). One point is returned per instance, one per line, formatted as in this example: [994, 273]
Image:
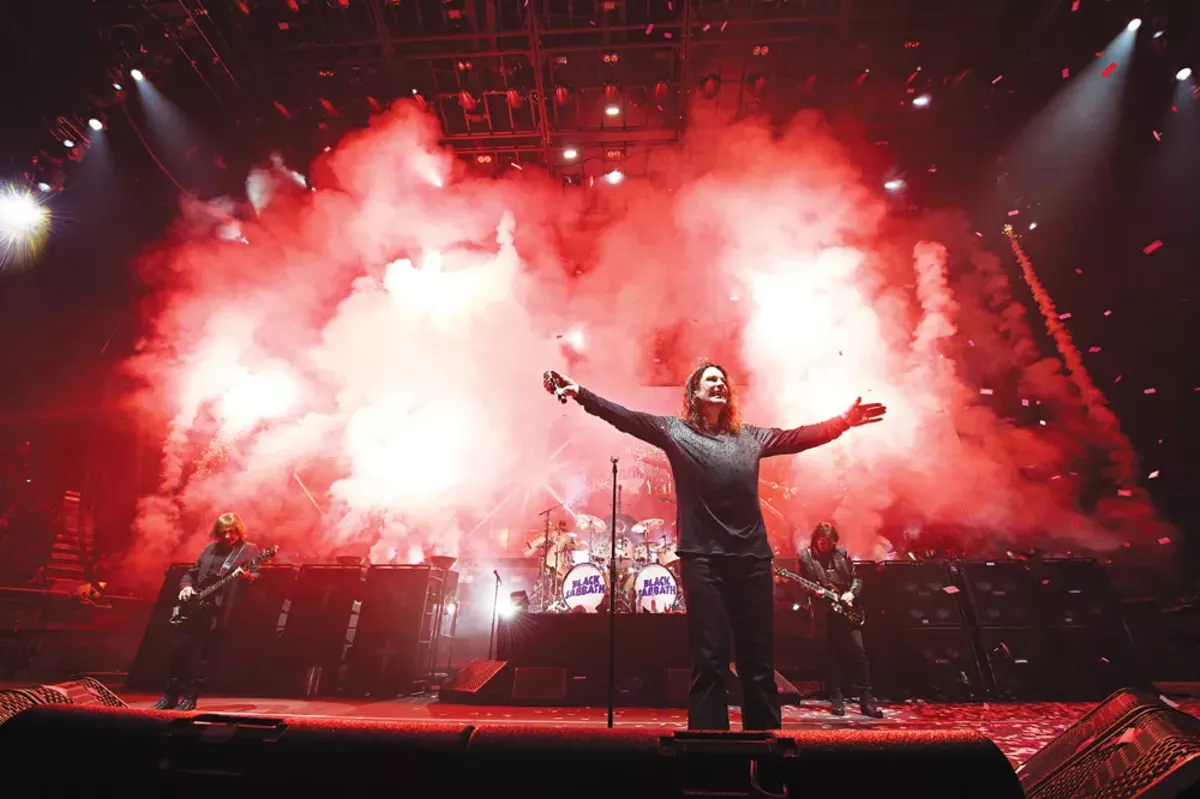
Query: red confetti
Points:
[932, 169]
[1110, 69]
[998, 79]
[1108, 313]
[1025, 402]
[1065, 315]
[1152, 475]
[1093, 349]
[950, 589]
[986, 392]
[1152, 246]
[1075, 5]
[1157, 136]
[1066, 73]
[1078, 271]
[706, 27]
[724, 25]
[1150, 391]
[1118, 380]
[666, 36]
[1125, 492]
[650, 28]
[1164, 540]
[1014, 213]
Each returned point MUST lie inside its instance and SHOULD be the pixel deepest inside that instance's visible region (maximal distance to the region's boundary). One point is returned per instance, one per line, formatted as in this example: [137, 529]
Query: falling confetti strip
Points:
[1109, 70]
[950, 589]
[1075, 5]
[998, 79]
[1108, 313]
[1025, 402]
[986, 391]
[1014, 213]
[1066, 315]
[1157, 136]
[1152, 246]
[1125, 492]
[1093, 349]
[1066, 74]
[1118, 380]
[1150, 391]
[1152, 475]
[1164, 541]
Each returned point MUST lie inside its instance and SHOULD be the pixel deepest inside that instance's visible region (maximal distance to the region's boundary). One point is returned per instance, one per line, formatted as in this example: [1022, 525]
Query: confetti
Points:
[1042, 422]
[1065, 315]
[1157, 136]
[1093, 349]
[970, 342]
[998, 79]
[1152, 475]
[1152, 246]
[1078, 271]
[951, 590]
[1150, 391]
[1075, 5]
[1118, 380]
[1025, 402]
[1066, 74]
[1108, 313]
[1164, 541]
[707, 27]
[986, 392]
[1125, 492]
[1109, 70]
[1014, 213]
[724, 25]
[649, 28]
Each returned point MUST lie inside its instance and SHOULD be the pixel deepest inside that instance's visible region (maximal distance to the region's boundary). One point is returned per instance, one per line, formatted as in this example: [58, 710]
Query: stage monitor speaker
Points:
[479, 682]
[1151, 754]
[1097, 724]
[86, 692]
[171, 754]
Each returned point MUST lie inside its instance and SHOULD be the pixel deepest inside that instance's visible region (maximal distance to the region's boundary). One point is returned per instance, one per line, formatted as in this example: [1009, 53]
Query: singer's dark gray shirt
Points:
[716, 474]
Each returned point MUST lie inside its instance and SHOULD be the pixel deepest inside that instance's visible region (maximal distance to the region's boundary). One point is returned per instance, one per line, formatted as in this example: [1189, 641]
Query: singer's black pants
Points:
[730, 610]
[192, 649]
[845, 655]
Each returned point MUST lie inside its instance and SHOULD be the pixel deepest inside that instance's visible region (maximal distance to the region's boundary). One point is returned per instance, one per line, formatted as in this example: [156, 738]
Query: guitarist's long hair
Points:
[730, 419]
[823, 530]
[226, 522]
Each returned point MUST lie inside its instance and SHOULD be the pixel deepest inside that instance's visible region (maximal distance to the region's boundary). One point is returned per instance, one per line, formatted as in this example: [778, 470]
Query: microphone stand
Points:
[495, 613]
[612, 602]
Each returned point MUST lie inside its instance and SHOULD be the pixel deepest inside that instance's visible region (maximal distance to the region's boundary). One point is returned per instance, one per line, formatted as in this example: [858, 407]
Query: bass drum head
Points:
[584, 587]
[655, 589]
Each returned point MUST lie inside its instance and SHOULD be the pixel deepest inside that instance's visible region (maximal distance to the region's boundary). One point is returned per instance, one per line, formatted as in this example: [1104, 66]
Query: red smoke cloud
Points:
[357, 369]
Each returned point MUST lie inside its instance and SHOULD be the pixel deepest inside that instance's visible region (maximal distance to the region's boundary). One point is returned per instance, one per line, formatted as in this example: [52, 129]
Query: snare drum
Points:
[655, 590]
[585, 586]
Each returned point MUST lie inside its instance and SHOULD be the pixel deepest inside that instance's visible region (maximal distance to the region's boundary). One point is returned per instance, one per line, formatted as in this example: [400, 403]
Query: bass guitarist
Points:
[828, 564]
[197, 637]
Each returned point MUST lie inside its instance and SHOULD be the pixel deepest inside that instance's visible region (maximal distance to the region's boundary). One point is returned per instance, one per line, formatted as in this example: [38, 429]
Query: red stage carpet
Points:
[1019, 729]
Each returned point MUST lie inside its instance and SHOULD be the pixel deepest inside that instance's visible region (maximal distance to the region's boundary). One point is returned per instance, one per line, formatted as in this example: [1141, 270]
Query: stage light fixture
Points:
[95, 124]
[1134, 24]
[612, 110]
[1183, 74]
[922, 101]
[614, 177]
[137, 74]
[570, 153]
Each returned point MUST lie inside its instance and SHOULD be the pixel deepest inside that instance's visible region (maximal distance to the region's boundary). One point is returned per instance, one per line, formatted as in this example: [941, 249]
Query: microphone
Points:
[498, 580]
[551, 382]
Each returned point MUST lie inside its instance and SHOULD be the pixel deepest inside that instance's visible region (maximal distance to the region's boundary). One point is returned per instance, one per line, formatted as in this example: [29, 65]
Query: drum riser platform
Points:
[557, 660]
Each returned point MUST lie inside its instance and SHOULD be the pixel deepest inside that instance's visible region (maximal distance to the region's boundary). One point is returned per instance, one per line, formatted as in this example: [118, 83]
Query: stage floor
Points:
[1019, 728]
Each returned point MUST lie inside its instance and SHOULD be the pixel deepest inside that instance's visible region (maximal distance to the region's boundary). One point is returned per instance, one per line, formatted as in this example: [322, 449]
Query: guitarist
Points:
[196, 638]
[828, 564]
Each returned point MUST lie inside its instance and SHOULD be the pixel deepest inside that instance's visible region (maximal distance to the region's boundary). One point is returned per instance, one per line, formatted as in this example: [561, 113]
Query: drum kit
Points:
[576, 562]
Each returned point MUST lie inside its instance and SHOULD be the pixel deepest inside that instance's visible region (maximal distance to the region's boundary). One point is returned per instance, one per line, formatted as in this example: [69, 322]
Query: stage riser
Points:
[166, 754]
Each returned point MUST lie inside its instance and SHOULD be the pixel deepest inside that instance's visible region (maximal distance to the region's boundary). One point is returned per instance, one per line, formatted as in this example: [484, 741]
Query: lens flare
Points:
[24, 223]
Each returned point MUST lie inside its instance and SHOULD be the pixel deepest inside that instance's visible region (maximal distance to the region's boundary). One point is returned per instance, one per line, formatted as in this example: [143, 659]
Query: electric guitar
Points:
[852, 614]
[201, 601]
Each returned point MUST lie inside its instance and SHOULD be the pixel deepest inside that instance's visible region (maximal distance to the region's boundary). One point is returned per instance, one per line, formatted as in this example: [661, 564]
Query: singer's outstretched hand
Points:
[556, 380]
[860, 414]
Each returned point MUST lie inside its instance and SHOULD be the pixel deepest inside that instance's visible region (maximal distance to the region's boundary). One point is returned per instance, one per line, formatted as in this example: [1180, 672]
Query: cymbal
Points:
[647, 526]
[537, 540]
[590, 525]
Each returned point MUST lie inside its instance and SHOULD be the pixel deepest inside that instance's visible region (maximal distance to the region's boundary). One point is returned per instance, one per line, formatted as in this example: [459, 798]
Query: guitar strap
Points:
[229, 561]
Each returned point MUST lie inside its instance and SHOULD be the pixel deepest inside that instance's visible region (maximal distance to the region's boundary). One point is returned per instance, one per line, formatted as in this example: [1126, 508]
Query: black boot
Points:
[170, 700]
[837, 704]
[191, 695]
[866, 704]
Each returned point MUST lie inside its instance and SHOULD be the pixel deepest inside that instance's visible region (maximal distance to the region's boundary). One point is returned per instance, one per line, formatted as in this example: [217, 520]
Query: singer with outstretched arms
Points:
[723, 547]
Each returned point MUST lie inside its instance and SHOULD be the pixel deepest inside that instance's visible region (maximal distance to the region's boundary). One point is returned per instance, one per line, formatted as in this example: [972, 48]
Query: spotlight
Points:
[570, 153]
[118, 87]
[68, 143]
[614, 177]
[896, 184]
[137, 74]
[922, 101]
[1133, 25]
[95, 124]
[1183, 74]
[21, 216]
[612, 110]
[519, 602]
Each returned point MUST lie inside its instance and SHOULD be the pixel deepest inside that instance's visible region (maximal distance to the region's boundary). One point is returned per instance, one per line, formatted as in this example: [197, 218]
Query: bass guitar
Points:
[852, 614]
[203, 600]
